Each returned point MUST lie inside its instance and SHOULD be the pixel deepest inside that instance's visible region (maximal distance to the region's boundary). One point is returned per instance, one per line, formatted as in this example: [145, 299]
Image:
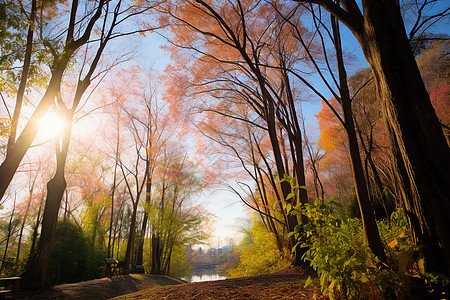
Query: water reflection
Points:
[203, 275]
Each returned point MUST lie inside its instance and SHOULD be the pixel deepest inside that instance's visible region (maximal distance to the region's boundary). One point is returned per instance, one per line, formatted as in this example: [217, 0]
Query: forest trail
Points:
[287, 284]
[103, 288]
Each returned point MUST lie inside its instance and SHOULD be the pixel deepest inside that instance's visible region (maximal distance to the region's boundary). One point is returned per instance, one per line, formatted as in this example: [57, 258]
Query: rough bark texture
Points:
[362, 193]
[36, 276]
[422, 151]
[415, 127]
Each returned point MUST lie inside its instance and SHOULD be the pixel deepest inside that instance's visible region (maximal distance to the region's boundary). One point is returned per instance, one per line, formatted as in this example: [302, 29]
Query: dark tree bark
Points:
[16, 151]
[415, 129]
[23, 78]
[35, 233]
[292, 220]
[113, 193]
[365, 207]
[371, 232]
[130, 242]
[35, 277]
[156, 255]
[135, 202]
[140, 251]
[9, 235]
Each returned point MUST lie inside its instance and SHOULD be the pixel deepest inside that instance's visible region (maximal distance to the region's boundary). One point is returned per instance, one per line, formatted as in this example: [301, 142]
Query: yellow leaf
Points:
[393, 243]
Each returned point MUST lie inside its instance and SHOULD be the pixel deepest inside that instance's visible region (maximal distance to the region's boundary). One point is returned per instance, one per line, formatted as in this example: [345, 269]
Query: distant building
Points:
[227, 248]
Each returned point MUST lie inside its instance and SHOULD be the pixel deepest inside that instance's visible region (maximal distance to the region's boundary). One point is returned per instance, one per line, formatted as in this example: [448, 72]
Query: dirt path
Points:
[288, 284]
[104, 288]
[282, 285]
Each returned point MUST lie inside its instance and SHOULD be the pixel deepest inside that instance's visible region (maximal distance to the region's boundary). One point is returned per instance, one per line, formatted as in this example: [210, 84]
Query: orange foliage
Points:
[332, 133]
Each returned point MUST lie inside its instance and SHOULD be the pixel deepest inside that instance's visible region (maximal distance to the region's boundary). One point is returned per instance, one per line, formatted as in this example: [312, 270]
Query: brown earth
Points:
[104, 288]
[281, 285]
[288, 284]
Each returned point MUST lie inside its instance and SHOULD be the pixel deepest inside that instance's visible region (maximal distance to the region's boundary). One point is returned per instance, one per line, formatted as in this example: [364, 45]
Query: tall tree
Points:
[113, 15]
[175, 221]
[416, 134]
[18, 148]
[319, 55]
[232, 42]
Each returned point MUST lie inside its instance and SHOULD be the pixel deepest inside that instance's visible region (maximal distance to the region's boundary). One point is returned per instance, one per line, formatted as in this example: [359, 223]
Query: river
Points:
[203, 275]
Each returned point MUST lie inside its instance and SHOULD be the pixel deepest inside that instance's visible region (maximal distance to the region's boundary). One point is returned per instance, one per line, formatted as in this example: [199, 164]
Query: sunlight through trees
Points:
[103, 155]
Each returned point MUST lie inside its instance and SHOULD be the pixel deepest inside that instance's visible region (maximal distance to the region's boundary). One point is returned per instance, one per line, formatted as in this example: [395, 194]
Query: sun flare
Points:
[51, 125]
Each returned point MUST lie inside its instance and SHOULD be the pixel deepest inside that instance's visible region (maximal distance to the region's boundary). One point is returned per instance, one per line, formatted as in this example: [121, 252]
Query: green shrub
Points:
[260, 257]
[69, 259]
[74, 256]
[336, 250]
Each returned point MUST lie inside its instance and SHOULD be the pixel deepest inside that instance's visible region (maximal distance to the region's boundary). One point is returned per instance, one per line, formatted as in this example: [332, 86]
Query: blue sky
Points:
[229, 210]
[225, 205]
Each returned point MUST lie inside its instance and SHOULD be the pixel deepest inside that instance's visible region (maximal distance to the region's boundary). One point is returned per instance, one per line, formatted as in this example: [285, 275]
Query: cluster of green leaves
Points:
[344, 263]
[86, 261]
[5, 127]
[259, 254]
[13, 39]
[12, 27]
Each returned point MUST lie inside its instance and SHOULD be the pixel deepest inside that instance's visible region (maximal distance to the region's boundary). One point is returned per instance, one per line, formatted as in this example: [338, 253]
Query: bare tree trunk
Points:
[292, 221]
[35, 233]
[140, 251]
[415, 129]
[423, 154]
[36, 276]
[9, 235]
[367, 214]
[156, 255]
[23, 78]
[16, 153]
[131, 238]
[375, 173]
[111, 220]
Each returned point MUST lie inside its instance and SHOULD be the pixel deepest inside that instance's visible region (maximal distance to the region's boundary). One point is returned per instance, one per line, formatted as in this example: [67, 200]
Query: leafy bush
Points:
[336, 250]
[260, 255]
[69, 258]
[74, 256]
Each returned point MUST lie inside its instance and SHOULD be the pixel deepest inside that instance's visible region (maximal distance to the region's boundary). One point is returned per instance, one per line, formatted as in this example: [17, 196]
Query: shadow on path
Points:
[103, 288]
